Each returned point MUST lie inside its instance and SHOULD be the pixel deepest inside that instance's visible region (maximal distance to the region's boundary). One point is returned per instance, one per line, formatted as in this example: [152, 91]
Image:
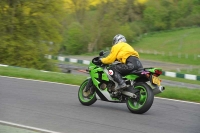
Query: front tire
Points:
[144, 100]
[86, 97]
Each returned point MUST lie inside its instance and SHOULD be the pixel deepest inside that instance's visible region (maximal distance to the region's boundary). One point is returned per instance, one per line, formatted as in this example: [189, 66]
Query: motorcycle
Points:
[138, 96]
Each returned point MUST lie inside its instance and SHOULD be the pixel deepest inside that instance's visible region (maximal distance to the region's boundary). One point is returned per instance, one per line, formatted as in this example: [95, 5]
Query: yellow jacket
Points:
[120, 51]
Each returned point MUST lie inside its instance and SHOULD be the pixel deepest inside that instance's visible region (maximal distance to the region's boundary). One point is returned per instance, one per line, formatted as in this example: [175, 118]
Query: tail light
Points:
[158, 72]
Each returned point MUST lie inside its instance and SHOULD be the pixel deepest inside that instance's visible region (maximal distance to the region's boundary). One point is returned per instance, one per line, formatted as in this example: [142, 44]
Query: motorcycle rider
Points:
[124, 53]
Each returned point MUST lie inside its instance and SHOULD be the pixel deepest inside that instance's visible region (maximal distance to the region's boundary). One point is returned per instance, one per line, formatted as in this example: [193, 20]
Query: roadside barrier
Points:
[165, 73]
[179, 75]
[71, 60]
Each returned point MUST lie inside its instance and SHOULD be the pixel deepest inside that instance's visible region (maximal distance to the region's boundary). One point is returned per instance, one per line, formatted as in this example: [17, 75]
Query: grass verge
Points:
[181, 80]
[172, 58]
[180, 93]
[170, 92]
[178, 46]
[39, 75]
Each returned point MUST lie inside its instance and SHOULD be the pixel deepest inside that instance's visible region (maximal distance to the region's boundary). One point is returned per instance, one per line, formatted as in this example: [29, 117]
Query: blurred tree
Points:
[78, 8]
[131, 11]
[103, 24]
[98, 21]
[28, 31]
[100, 25]
[74, 40]
[94, 29]
[189, 13]
[168, 14]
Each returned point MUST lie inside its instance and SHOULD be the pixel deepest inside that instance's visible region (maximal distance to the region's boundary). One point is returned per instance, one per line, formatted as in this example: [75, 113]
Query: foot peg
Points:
[115, 94]
[121, 87]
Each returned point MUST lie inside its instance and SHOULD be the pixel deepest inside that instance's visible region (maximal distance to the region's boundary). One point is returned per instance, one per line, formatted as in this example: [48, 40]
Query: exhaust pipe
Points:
[129, 94]
[158, 89]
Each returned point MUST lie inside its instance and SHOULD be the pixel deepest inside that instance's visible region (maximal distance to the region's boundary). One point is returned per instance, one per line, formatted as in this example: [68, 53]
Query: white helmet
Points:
[118, 38]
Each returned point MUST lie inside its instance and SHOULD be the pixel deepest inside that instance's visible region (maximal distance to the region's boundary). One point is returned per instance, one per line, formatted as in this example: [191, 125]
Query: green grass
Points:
[181, 80]
[178, 46]
[173, 59]
[190, 71]
[170, 92]
[45, 76]
[181, 94]
[4, 128]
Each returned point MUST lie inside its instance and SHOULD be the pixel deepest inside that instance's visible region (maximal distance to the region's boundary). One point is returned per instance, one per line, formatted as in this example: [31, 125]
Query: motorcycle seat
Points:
[138, 71]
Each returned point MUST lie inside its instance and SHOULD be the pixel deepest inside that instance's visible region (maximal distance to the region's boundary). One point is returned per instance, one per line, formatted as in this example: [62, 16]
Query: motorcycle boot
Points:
[121, 83]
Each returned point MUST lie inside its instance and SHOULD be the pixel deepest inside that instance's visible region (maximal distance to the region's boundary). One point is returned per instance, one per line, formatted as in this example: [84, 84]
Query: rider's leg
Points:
[116, 72]
[132, 63]
[118, 78]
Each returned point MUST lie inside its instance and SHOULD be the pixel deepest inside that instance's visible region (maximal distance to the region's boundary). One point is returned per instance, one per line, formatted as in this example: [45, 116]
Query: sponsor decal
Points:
[110, 72]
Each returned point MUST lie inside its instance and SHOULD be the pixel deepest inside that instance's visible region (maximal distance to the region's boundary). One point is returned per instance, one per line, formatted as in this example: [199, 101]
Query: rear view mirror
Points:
[101, 53]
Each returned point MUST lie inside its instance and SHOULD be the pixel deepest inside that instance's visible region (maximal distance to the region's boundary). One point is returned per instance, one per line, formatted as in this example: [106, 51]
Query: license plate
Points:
[156, 80]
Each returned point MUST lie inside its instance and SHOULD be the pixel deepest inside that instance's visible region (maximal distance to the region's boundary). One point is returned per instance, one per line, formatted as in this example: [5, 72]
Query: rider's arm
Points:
[112, 56]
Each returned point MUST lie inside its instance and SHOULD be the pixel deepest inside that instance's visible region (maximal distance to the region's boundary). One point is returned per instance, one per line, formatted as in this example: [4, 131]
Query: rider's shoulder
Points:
[120, 43]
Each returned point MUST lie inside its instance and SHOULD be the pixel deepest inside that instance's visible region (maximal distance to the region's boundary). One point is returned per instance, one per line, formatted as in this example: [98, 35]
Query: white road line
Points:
[48, 131]
[38, 80]
[176, 100]
[78, 86]
[26, 127]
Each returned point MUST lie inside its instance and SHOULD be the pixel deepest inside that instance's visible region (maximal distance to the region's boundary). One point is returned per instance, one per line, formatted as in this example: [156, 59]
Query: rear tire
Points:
[86, 98]
[144, 100]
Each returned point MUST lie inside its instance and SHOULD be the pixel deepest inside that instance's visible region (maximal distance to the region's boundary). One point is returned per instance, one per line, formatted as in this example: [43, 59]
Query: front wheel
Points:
[144, 99]
[86, 95]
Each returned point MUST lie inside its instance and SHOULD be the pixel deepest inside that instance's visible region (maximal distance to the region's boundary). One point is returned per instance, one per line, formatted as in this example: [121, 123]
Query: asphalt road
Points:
[56, 107]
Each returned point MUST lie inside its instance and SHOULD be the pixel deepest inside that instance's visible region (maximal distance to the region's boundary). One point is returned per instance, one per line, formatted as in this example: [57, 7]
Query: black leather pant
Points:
[132, 63]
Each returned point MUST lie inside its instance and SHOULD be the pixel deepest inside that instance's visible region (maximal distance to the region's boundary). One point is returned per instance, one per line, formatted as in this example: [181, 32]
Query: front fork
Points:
[88, 85]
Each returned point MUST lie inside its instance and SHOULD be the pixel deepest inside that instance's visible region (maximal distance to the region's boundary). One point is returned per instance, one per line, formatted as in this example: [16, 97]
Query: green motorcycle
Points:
[142, 85]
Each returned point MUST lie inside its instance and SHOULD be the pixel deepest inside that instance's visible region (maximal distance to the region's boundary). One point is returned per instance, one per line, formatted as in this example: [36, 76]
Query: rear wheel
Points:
[86, 96]
[144, 99]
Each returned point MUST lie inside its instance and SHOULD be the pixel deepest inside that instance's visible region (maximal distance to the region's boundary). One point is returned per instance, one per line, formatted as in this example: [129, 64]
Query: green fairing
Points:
[105, 77]
[91, 66]
[95, 75]
[153, 69]
[131, 77]
[95, 81]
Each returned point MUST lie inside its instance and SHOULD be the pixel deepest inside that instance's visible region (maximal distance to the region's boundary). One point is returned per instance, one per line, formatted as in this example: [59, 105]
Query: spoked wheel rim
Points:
[137, 103]
[85, 96]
